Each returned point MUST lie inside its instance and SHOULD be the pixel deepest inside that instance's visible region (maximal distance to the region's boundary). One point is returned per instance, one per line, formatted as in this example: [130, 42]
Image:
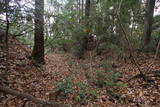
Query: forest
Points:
[79, 53]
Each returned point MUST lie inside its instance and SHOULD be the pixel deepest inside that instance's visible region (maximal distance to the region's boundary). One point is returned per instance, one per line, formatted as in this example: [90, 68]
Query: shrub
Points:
[93, 93]
[65, 44]
[154, 41]
[81, 94]
[109, 49]
[101, 79]
[60, 44]
[63, 87]
[108, 79]
[25, 41]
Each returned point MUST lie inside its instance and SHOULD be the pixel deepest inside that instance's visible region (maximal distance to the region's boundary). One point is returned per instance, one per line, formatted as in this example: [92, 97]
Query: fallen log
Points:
[42, 103]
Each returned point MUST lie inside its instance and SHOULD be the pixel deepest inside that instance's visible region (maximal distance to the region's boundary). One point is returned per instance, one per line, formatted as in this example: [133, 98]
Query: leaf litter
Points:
[25, 77]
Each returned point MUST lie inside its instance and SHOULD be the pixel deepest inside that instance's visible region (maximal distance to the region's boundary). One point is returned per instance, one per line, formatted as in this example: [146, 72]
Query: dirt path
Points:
[56, 65]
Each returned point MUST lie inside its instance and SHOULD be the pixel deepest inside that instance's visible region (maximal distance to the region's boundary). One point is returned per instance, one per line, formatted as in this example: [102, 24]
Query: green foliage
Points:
[50, 45]
[112, 81]
[94, 94]
[64, 87]
[135, 40]
[60, 44]
[154, 42]
[106, 66]
[25, 41]
[2, 26]
[81, 94]
[68, 31]
[107, 47]
[101, 80]
[66, 44]
[78, 36]
[108, 79]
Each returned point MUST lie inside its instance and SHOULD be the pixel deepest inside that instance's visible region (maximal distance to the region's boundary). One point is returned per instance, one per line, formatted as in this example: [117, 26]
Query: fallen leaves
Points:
[25, 77]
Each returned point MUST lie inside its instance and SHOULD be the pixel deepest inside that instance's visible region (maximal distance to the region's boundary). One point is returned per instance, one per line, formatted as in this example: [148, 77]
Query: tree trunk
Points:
[87, 8]
[7, 34]
[79, 11]
[87, 14]
[148, 20]
[82, 8]
[84, 40]
[38, 49]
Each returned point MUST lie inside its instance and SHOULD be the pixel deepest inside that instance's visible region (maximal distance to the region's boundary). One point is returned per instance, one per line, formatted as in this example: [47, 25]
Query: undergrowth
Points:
[107, 78]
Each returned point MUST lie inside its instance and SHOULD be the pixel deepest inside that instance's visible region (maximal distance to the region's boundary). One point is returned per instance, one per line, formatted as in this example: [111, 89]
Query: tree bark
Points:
[82, 8]
[87, 8]
[148, 21]
[7, 34]
[85, 38]
[38, 49]
[87, 14]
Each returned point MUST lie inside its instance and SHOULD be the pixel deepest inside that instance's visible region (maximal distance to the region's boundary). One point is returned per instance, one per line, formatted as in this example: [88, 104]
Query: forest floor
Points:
[24, 76]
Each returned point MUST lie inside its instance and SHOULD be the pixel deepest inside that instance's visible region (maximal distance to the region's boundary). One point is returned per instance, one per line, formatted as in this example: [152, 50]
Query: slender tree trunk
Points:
[82, 8]
[87, 8]
[79, 10]
[87, 14]
[148, 24]
[77, 6]
[6, 35]
[87, 30]
[84, 40]
[38, 49]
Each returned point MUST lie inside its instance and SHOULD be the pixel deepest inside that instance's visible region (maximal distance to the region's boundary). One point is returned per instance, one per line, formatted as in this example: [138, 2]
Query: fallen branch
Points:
[31, 98]
[134, 61]
[149, 67]
[136, 76]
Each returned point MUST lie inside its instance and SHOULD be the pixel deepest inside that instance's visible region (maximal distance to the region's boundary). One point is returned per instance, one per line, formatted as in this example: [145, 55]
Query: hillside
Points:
[24, 76]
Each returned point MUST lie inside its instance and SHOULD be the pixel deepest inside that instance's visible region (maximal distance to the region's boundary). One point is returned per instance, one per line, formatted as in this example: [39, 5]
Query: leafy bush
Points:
[108, 47]
[154, 41]
[101, 78]
[60, 44]
[81, 94]
[64, 87]
[65, 44]
[106, 66]
[50, 45]
[93, 93]
[135, 41]
[79, 35]
[108, 79]
[25, 41]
